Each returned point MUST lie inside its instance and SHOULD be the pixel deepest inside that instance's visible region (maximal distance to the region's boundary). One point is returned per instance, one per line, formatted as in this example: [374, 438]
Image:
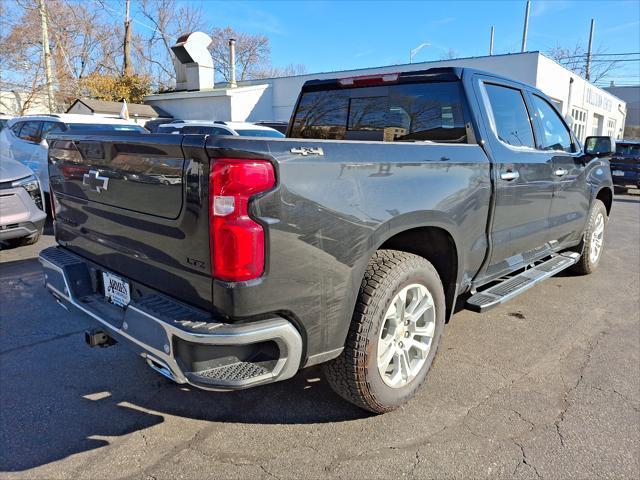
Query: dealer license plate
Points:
[617, 173]
[116, 290]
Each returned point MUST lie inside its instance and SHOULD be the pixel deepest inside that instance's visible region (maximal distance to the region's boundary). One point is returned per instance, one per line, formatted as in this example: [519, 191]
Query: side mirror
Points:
[599, 146]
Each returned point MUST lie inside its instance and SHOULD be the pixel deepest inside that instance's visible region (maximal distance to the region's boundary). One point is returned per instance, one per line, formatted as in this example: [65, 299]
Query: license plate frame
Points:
[617, 173]
[116, 289]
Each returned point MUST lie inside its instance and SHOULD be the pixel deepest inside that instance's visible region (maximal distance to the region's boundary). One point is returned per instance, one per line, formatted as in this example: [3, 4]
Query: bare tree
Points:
[450, 54]
[252, 53]
[274, 72]
[82, 42]
[575, 59]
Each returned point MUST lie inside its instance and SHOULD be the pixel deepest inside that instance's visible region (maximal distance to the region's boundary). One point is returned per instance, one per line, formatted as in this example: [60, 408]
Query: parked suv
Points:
[22, 213]
[24, 138]
[625, 166]
[209, 127]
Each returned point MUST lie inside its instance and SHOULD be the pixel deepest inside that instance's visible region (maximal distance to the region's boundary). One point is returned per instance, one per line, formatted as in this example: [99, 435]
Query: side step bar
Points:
[512, 286]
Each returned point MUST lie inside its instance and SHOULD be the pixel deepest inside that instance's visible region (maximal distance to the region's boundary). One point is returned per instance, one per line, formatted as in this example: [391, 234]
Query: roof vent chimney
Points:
[232, 63]
[193, 62]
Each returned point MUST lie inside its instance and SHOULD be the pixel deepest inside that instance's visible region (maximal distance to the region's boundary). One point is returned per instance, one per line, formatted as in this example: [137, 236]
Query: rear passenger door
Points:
[524, 183]
[571, 194]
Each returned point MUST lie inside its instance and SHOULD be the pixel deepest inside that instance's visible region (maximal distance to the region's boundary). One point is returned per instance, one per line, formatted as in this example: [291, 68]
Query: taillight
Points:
[237, 241]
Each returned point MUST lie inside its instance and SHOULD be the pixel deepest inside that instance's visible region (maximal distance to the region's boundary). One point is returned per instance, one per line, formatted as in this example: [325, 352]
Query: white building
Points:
[594, 111]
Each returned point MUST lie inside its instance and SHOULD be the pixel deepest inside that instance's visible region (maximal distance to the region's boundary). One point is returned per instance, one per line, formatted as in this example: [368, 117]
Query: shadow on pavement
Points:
[59, 397]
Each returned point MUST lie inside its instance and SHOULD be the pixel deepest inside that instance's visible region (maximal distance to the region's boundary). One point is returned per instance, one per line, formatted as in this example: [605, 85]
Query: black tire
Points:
[620, 190]
[586, 264]
[354, 374]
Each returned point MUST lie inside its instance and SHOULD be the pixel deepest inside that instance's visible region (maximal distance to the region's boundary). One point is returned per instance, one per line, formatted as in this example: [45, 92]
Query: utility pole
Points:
[126, 70]
[587, 71]
[526, 27]
[46, 53]
[491, 42]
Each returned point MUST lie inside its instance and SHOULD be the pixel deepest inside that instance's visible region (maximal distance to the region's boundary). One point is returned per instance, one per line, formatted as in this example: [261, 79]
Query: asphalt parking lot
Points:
[546, 386]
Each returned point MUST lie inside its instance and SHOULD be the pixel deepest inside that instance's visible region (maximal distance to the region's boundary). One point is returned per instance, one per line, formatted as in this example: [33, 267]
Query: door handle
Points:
[560, 172]
[509, 175]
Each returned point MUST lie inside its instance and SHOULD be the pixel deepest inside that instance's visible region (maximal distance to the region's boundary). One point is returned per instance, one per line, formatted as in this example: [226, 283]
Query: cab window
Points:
[555, 134]
[510, 115]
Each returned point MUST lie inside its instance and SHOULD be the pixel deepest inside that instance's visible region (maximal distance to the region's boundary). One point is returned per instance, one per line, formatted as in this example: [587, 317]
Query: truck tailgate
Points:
[136, 205]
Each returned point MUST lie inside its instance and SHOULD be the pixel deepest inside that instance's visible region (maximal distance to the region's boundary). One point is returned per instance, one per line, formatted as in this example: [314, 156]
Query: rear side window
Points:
[203, 130]
[30, 131]
[510, 116]
[167, 129]
[52, 127]
[260, 133]
[555, 134]
[404, 112]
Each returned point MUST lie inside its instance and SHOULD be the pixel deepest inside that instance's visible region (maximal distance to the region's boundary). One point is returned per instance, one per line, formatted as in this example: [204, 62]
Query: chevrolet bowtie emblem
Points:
[307, 151]
[94, 181]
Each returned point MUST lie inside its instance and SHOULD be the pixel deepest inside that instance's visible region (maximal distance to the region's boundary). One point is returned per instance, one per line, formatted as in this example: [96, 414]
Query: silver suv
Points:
[22, 213]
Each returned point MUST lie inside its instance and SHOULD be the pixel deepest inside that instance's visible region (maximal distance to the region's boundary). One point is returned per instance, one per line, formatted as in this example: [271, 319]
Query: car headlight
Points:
[31, 185]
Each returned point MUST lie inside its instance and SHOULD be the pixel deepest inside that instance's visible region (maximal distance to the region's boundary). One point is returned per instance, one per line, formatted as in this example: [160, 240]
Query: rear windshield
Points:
[628, 149]
[104, 127]
[259, 133]
[405, 112]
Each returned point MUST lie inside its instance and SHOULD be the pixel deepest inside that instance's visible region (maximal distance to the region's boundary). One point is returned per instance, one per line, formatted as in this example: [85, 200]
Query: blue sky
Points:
[335, 35]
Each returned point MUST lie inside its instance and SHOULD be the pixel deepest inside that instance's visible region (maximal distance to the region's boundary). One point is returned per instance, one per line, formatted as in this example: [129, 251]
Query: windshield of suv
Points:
[403, 112]
[104, 127]
[627, 149]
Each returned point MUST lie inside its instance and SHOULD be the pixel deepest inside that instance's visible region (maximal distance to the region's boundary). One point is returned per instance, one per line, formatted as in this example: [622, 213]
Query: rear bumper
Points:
[181, 343]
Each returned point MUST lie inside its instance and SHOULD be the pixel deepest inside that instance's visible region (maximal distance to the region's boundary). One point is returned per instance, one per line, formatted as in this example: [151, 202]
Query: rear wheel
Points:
[593, 240]
[618, 189]
[394, 333]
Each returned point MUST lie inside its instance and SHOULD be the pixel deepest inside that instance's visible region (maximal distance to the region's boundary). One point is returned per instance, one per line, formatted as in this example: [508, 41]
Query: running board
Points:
[509, 288]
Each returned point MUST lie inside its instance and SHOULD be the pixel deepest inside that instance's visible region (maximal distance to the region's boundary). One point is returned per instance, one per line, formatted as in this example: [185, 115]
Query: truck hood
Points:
[12, 170]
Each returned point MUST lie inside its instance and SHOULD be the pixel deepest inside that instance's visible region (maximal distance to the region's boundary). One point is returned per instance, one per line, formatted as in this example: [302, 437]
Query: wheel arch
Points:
[605, 195]
[438, 246]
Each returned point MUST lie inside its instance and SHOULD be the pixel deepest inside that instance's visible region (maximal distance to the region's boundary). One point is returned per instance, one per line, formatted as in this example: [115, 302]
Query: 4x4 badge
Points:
[307, 151]
[94, 181]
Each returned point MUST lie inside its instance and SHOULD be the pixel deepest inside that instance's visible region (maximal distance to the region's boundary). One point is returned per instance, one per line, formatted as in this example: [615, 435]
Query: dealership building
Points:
[594, 111]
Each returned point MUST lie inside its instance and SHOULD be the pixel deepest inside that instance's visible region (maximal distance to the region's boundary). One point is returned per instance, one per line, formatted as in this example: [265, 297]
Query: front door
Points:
[571, 193]
[524, 183]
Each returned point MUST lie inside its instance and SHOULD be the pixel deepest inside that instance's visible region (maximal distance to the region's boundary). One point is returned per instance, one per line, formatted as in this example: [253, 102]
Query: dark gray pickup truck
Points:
[230, 262]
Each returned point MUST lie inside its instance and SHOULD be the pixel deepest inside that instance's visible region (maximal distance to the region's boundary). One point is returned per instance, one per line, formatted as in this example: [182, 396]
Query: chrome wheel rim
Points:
[597, 239]
[406, 335]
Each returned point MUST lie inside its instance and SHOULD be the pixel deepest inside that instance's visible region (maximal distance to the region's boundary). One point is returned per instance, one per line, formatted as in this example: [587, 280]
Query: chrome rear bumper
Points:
[180, 342]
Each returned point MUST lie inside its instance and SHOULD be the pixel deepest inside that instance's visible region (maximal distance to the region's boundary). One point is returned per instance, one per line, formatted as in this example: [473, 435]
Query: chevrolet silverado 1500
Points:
[231, 262]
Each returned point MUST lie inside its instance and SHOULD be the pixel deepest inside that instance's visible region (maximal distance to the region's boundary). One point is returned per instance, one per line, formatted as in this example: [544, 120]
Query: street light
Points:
[412, 53]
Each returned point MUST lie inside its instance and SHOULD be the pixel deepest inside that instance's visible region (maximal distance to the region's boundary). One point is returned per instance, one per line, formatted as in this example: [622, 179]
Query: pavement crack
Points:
[264, 469]
[567, 394]
[525, 461]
